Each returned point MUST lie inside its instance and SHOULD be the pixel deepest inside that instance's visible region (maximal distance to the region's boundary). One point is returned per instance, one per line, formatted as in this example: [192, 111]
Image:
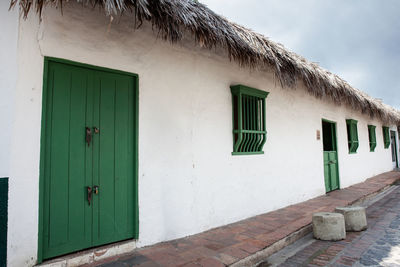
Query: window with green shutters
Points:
[372, 137]
[352, 135]
[386, 137]
[248, 113]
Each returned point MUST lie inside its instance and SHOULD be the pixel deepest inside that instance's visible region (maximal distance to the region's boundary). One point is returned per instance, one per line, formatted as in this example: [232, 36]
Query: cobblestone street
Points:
[379, 245]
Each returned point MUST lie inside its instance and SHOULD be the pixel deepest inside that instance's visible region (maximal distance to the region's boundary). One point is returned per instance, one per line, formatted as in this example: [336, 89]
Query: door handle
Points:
[89, 194]
[88, 135]
[96, 190]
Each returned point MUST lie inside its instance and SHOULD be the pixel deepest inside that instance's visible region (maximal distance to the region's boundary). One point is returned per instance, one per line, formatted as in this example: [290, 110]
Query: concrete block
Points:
[328, 226]
[355, 218]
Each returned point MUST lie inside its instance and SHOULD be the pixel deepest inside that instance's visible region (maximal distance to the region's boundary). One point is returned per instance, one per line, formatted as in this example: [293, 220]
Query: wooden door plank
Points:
[106, 161]
[95, 153]
[65, 213]
[122, 134]
[59, 169]
[89, 173]
[326, 172]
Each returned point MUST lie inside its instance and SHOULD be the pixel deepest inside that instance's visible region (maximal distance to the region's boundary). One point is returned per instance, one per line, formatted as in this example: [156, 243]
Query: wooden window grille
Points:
[352, 135]
[249, 131]
[372, 137]
[386, 137]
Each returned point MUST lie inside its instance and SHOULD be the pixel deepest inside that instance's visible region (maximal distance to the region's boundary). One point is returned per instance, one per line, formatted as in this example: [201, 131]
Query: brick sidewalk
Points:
[377, 246]
[231, 243]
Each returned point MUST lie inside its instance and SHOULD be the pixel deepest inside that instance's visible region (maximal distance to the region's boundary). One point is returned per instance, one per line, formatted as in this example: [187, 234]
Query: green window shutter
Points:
[352, 135]
[248, 115]
[386, 138]
[372, 137]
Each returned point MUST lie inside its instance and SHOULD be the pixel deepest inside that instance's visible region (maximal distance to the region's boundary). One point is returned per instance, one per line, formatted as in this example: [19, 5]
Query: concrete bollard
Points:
[328, 226]
[355, 218]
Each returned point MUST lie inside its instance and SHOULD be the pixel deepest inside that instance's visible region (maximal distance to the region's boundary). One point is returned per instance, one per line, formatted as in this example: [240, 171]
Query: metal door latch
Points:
[88, 135]
[89, 194]
[96, 190]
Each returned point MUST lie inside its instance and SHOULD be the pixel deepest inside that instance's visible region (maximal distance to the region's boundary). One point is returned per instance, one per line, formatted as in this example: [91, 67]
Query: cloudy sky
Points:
[359, 39]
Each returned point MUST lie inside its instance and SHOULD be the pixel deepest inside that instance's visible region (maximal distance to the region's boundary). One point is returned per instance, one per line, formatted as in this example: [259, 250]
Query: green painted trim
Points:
[386, 137]
[236, 89]
[42, 161]
[334, 122]
[250, 138]
[47, 60]
[395, 147]
[351, 121]
[337, 150]
[136, 151]
[249, 131]
[335, 139]
[247, 153]
[352, 135]
[372, 137]
[3, 220]
[84, 65]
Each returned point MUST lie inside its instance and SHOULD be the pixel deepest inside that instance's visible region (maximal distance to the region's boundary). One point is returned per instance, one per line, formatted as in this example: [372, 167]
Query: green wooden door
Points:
[331, 171]
[331, 166]
[78, 98]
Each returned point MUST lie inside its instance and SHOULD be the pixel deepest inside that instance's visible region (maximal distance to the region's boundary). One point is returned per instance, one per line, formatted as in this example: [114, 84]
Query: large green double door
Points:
[88, 157]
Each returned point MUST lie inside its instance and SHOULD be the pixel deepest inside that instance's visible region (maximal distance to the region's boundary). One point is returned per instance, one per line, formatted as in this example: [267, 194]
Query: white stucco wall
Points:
[8, 79]
[188, 179]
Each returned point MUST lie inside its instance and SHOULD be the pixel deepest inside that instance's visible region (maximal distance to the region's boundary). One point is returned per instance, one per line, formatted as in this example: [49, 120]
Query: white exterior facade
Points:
[188, 180]
[8, 80]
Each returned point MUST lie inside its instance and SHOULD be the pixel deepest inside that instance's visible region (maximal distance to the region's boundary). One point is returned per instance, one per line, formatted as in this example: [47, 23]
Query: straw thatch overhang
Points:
[173, 17]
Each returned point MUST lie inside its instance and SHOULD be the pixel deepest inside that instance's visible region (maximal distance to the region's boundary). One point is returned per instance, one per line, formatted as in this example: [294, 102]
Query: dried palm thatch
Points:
[173, 17]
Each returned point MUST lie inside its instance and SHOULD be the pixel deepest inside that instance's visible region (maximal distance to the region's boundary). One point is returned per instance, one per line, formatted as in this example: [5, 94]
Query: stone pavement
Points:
[379, 245]
[238, 242]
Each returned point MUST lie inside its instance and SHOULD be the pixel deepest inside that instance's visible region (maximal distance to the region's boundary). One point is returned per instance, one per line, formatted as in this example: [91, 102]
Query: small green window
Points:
[386, 138]
[352, 135]
[372, 137]
[248, 113]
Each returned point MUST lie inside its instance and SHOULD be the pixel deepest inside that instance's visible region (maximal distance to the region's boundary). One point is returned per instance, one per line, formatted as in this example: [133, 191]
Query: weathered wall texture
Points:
[8, 79]
[188, 179]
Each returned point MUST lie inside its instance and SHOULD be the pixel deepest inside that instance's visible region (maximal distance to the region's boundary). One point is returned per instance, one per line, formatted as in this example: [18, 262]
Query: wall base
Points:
[94, 255]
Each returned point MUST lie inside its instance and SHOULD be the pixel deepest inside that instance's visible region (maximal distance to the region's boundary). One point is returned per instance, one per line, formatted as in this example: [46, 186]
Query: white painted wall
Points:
[188, 179]
[8, 79]
[24, 151]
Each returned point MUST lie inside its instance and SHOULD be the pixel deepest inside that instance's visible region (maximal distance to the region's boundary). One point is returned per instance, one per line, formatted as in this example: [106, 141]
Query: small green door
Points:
[89, 189]
[393, 143]
[331, 169]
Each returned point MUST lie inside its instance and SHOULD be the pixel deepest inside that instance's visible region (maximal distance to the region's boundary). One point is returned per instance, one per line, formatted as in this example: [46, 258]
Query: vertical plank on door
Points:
[123, 157]
[333, 171]
[96, 154]
[89, 118]
[78, 207]
[59, 170]
[106, 179]
[326, 172]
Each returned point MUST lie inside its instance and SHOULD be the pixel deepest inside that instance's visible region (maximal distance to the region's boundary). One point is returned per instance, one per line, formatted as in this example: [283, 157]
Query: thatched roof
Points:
[173, 17]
